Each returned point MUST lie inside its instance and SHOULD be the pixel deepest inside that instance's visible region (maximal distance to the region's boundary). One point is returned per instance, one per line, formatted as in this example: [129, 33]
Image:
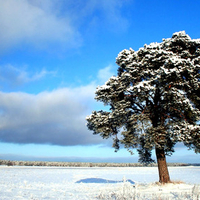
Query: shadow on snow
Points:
[101, 180]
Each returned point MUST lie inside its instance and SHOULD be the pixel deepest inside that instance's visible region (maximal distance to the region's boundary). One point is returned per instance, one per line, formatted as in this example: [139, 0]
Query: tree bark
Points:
[162, 166]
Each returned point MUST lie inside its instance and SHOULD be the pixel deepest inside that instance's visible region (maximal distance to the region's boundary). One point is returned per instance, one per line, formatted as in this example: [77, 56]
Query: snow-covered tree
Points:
[154, 100]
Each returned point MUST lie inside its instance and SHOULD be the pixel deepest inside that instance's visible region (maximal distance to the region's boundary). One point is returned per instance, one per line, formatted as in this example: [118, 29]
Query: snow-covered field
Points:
[96, 183]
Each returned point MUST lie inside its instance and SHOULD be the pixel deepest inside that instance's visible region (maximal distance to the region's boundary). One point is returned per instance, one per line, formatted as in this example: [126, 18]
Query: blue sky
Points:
[54, 53]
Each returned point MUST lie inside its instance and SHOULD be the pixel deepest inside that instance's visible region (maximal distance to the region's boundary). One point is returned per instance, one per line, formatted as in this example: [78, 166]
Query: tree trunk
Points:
[162, 166]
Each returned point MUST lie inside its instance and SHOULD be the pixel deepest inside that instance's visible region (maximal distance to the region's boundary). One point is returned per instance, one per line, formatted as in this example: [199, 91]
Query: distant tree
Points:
[10, 163]
[154, 100]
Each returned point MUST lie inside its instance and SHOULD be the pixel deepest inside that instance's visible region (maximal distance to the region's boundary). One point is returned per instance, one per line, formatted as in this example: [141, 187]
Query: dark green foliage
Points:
[144, 153]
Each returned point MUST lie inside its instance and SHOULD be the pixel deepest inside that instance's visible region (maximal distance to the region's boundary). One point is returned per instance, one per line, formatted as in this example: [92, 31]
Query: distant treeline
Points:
[83, 164]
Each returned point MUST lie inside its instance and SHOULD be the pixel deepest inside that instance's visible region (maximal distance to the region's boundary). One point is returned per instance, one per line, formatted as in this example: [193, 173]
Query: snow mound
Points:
[101, 180]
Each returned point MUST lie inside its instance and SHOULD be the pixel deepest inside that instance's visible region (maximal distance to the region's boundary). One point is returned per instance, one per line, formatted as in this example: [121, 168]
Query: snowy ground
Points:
[96, 183]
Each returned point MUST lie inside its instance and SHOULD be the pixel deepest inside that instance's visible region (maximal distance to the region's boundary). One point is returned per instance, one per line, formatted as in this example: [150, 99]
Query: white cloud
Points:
[105, 73]
[113, 14]
[104, 12]
[56, 117]
[47, 24]
[14, 76]
[36, 24]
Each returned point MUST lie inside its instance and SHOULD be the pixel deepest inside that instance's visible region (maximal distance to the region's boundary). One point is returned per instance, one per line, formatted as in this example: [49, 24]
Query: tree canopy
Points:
[154, 100]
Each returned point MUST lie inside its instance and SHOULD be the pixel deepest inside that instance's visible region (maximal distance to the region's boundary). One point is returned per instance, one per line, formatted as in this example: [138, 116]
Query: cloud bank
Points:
[56, 117]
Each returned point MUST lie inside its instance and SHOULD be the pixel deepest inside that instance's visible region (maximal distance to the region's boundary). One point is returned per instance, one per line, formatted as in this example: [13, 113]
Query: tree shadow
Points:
[101, 180]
